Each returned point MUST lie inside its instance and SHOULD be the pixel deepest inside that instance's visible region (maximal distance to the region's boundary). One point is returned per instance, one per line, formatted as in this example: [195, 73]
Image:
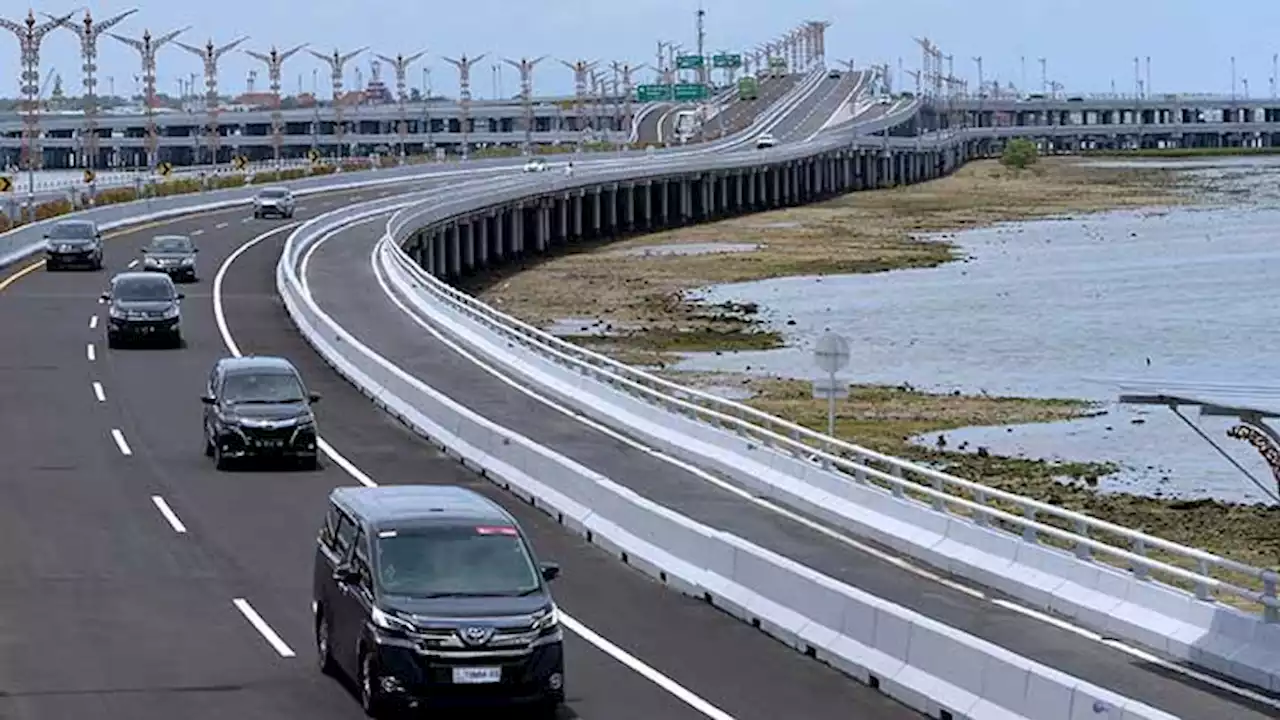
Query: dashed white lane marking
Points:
[120, 442]
[89, 352]
[169, 515]
[262, 627]
[93, 321]
[219, 226]
[301, 208]
[197, 232]
[133, 263]
[246, 220]
[98, 392]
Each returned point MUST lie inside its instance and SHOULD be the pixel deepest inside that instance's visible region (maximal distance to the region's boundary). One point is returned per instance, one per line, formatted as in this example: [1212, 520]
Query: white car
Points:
[766, 141]
[273, 201]
[535, 165]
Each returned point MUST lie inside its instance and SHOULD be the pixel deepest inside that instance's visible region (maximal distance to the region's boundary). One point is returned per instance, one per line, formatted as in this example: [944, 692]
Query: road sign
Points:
[313, 155]
[831, 355]
[239, 161]
[88, 177]
[164, 169]
[6, 184]
[726, 60]
[689, 62]
[690, 91]
[653, 93]
[778, 63]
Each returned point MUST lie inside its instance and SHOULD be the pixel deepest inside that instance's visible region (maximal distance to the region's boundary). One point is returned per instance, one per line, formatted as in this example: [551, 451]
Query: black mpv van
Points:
[430, 596]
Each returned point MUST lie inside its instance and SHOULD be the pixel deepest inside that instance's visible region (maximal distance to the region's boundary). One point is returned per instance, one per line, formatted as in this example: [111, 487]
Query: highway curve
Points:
[110, 612]
[344, 284]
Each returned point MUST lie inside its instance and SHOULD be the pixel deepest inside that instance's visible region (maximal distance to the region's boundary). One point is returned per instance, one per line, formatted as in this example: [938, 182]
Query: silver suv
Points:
[273, 201]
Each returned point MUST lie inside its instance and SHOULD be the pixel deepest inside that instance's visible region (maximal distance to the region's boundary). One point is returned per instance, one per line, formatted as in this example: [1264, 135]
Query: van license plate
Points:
[476, 675]
[270, 443]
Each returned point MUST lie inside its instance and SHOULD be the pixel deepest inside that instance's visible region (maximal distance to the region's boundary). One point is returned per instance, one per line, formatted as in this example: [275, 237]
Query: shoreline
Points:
[630, 299]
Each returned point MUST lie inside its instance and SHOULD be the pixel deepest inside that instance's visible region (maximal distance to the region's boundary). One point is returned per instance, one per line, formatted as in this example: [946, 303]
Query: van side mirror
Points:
[144, 249]
[550, 571]
[182, 296]
[314, 397]
[105, 296]
[208, 399]
[346, 574]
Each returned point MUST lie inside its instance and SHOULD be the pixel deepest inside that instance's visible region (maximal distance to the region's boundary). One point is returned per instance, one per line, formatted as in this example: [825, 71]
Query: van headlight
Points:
[386, 621]
[547, 620]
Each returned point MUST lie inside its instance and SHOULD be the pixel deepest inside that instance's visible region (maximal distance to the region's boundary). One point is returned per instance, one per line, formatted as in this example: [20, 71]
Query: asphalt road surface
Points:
[134, 573]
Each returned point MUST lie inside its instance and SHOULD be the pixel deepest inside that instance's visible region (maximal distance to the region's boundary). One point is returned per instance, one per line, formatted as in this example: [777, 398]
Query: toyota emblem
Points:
[476, 635]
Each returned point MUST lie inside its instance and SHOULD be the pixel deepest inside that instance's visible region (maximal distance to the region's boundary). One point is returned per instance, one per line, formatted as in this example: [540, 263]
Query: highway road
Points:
[131, 568]
[345, 285]
[741, 114]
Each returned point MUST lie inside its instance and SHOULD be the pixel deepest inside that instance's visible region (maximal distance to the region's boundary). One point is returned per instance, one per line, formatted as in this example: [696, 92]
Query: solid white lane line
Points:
[622, 656]
[133, 263]
[678, 691]
[262, 627]
[89, 352]
[98, 393]
[169, 515]
[93, 321]
[120, 442]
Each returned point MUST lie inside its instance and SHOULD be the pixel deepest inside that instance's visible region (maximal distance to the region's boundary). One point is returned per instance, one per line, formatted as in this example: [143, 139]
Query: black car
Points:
[430, 596]
[258, 407]
[73, 243]
[143, 306]
[174, 255]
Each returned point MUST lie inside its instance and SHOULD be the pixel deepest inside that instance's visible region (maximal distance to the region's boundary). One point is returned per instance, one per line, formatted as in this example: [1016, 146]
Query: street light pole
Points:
[147, 47]
[464, 65]
[337, 61]
[88, 34]
[275, 61]
[211, 54]
[30, 35]
[526, 66]
[401, 63]
[581, 78]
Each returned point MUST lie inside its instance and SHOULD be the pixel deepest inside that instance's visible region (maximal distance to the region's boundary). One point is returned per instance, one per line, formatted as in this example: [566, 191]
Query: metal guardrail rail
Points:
[1031, 519]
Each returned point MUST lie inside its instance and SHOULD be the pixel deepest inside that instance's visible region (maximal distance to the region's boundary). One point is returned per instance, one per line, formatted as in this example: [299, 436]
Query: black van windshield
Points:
[455, 561]
[262, 387]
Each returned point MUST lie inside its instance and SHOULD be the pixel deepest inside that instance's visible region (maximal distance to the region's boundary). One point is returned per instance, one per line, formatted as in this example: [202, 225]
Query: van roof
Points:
[419, 505]
[256, 362]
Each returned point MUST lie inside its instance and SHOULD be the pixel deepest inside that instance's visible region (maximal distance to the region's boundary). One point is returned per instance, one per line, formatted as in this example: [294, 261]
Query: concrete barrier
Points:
[1112, 601]
[923, 663]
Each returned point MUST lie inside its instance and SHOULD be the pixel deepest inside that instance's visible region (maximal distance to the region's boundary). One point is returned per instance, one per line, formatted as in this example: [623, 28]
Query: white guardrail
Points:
[919, 661]
[962, 527]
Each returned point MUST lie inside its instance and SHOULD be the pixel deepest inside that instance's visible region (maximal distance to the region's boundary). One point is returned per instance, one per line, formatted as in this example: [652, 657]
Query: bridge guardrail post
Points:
[1082, 549]
[1202, 588]
[1271, 611]
[1140, 570]
[1029, 533]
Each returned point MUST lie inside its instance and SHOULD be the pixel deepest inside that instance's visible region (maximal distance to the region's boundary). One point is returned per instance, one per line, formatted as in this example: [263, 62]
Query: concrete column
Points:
[468, 242]
[517, 228]
[564, 217]
[613, 209]
[543, 219]
[577, 214]
[646, 208]
[482, 241]
[500, 236]
[629, 206]
[454, 266]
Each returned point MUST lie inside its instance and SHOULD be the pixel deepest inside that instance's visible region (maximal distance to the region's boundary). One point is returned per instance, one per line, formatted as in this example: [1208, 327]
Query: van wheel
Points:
[220, 461]
[324, 653]
[208, 445]
[372, 700]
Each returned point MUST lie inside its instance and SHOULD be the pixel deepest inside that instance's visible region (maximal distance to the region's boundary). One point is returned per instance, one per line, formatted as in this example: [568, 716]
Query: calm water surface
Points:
[1043, 308]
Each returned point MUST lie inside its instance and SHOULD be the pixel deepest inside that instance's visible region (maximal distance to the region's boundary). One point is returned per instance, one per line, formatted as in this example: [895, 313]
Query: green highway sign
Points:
[690, 91]
[777, 62]
[726, 60]
[653, 93]
[689, 62]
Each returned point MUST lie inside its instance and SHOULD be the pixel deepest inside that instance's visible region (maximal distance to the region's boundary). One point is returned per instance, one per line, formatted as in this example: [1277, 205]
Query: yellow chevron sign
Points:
[6, 184]
[88, 176]
[164, 169]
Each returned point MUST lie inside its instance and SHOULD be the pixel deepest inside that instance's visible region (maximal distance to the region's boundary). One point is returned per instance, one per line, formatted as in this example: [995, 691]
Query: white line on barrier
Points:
[169, 515]
[89, 352]
[120, 442]
[894, 560]
[98, 392]
[263, 628]
[599, 642]
[93, 321]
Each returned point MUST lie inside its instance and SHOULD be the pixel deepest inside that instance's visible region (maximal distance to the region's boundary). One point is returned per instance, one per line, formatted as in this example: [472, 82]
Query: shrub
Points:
[1020, 154]
[53, 208]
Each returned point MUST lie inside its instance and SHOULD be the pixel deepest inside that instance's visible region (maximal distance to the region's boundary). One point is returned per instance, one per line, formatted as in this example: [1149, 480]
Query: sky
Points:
[1088, 44]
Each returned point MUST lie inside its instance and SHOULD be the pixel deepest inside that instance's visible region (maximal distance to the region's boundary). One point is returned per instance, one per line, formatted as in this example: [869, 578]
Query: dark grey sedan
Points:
[173, 255]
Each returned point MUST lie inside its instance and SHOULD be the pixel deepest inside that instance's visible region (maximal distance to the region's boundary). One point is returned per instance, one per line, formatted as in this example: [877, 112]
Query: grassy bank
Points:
[886, 418]
[637, 287]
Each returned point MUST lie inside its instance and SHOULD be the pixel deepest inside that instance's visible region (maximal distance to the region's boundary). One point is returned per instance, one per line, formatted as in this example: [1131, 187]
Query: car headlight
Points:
[547, 620]
[171, 312]
[148, 260]
[117, 313]
[387, 621]
[188, 260]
